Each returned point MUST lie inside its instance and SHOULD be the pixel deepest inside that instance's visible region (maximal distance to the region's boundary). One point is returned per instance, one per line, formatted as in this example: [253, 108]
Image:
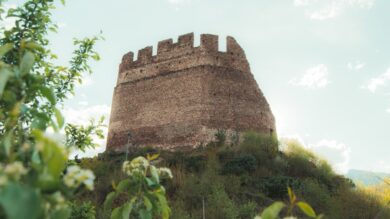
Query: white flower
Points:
[164, 172]
[140, 162]
[58, 198]
[15, 170]
[87, 177]
[3, 180]
[138, 165]
[125, 166]
[75, 176]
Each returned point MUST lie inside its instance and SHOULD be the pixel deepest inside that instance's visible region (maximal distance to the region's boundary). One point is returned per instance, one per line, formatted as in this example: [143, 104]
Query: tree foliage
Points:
[35, 181]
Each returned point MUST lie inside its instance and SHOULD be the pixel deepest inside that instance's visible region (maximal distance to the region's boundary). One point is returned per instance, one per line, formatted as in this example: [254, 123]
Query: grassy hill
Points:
[238, 181]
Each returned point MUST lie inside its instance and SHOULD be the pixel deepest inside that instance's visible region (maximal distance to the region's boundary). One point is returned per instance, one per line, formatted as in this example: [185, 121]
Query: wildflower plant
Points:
[142, 189]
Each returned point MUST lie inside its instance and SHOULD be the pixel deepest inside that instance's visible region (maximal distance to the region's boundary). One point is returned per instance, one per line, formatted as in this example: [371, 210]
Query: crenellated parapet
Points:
[172, 57]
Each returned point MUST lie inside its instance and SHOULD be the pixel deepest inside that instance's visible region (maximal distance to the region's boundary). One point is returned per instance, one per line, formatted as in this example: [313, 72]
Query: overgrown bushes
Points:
[239, 181]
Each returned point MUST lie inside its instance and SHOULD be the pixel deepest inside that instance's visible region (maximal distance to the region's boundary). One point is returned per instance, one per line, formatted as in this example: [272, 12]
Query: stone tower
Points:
[180, 97]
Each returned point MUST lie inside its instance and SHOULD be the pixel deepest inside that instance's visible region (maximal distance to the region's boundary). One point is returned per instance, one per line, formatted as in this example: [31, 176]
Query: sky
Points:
[323, 65]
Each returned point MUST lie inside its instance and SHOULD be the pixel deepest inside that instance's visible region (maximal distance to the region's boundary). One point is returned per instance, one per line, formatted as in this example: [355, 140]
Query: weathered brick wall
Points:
[182, 95]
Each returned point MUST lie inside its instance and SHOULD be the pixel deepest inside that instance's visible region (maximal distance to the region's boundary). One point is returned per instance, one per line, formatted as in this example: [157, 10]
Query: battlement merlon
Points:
[166, 49]
[233, 48]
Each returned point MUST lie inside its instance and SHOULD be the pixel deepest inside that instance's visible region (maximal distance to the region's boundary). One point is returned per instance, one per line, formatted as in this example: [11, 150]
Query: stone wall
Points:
[181, 96]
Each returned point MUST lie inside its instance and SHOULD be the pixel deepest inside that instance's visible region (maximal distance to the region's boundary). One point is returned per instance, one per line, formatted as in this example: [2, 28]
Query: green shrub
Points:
[226, 154]
[239, 165]
[219, 205]
[220, 137]
[276, 187]
[195, 163]
[83, 210]
[316, 194]
[247, 210]
[178, 211]
[263, 147]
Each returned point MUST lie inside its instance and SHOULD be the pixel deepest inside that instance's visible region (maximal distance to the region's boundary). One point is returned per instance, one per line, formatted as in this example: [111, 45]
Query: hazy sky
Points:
[323, 65]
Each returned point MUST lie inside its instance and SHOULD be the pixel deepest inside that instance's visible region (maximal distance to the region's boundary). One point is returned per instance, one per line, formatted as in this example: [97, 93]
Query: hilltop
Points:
[238, 181]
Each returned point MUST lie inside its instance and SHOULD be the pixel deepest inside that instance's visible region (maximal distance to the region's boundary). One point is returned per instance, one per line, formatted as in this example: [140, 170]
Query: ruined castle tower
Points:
[184, 94]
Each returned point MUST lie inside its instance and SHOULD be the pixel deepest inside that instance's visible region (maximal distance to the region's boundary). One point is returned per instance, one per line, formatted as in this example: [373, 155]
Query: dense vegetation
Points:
[238, 181]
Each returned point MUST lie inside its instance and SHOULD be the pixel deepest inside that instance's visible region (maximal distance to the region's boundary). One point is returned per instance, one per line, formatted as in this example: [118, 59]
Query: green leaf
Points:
[307, 209]
[272, 211]
[123, 185]
[109, 199]
[7, 143]
[95, 57]
[117, 213]
[4, 76]
[147, 203]
[150, 182]
[145, 214]
[5, 49]
[54, 159]
[35, 159]
[27, 62]
[165, 210]
[48, 94]
[62, 213]
[154, 174]
[59, 118]
[20, 202]
[33, 46]
[126, 209]
[39, 123]
[291, 195]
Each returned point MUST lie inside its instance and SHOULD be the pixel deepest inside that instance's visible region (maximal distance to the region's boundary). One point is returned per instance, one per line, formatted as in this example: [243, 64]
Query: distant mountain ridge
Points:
[366, 178]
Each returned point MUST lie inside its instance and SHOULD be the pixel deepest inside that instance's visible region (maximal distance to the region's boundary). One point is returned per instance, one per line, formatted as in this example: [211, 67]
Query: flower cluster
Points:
[12, 171]
[164, 172]
[138, 165]
[75, 176]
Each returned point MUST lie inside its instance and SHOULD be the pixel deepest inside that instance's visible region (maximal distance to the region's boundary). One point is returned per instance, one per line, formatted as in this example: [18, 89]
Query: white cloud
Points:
[315, 77]
[355, 66]
[328, 9]
[82, 116]
[335, 153]
[380, 81]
